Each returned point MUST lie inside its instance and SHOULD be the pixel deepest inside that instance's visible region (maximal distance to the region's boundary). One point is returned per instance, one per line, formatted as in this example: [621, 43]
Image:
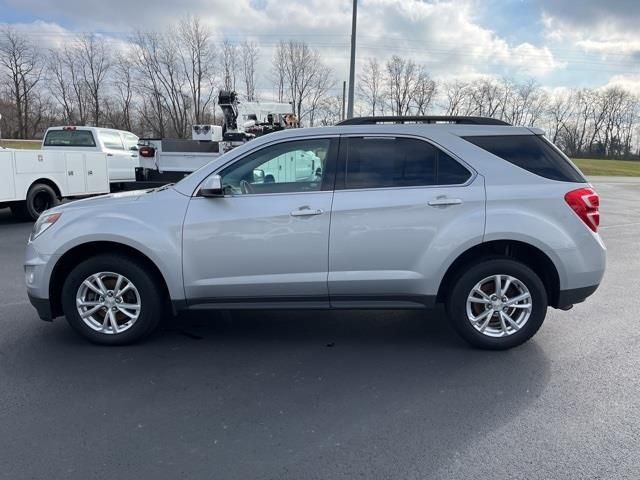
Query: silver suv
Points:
[491, 220]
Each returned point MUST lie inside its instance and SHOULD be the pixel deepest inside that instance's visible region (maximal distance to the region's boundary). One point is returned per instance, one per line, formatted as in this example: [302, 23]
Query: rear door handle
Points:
[444, 201]
[306, 212]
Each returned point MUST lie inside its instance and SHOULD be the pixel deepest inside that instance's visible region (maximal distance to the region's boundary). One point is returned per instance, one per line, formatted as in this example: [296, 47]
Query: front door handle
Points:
[306, 212]
[444, 201]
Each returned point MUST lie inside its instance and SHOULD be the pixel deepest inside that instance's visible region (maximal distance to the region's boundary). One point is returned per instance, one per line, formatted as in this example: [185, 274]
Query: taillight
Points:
[585, 202]
[147, 152]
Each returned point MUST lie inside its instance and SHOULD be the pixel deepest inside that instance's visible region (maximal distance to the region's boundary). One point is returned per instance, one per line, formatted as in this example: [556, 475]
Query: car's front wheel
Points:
[497, 303]
[112, 300]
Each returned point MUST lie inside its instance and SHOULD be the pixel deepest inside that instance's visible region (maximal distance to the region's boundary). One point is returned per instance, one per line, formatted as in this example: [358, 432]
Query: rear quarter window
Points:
[532, 153]
[69, 138]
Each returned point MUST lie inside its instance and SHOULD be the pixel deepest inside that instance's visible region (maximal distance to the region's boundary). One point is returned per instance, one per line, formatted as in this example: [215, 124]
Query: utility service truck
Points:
[169, 160]
[73, 162]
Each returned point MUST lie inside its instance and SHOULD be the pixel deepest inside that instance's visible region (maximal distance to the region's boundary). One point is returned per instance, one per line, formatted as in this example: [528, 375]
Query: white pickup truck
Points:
[73, 162]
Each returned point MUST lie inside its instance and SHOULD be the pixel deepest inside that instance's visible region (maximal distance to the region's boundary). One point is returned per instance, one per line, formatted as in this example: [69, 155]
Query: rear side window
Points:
[399, 162]
[130, 141]
[69, 138]
[111, 140]
[531, 152]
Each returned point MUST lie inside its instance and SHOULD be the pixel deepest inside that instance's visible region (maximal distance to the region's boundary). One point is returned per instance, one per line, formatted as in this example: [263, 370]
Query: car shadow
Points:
[286, 390]
[7, 218]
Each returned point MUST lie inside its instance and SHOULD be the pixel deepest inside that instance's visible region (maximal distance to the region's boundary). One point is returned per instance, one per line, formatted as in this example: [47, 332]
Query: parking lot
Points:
[327, 395]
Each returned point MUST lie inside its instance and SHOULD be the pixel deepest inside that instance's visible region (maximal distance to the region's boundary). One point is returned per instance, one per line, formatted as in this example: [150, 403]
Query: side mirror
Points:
[212, 187]
[134, 148]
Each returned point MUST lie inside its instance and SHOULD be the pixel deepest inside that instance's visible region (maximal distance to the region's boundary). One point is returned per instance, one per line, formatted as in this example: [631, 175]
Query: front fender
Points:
[152, 226]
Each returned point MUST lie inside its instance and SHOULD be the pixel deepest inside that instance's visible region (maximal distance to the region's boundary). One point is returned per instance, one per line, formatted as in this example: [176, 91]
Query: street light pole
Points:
[352, 66]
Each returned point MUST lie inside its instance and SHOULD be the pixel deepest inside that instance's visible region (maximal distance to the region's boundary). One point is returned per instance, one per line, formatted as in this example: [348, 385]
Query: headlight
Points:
[42, 224]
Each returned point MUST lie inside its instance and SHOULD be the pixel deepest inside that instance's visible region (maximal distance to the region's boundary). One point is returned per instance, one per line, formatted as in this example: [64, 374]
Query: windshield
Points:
[69, 138]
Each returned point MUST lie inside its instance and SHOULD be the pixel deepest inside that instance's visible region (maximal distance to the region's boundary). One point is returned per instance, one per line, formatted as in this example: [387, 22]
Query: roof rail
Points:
[461, 120]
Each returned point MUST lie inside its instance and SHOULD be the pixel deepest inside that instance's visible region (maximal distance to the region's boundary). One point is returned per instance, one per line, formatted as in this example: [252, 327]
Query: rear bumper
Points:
[42, 306]
[575, 295]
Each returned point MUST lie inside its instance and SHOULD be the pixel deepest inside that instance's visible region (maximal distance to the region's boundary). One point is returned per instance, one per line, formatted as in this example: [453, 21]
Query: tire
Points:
[491, 313]
[144, 293]
[40, 197]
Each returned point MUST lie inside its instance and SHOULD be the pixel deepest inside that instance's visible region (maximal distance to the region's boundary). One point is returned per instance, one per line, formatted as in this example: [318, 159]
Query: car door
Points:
[401, 205]
[121, 162]
[267, 238]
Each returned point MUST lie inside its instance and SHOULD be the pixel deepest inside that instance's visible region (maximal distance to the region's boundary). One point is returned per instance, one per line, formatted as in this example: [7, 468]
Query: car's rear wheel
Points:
[497, 304]
[111, 299]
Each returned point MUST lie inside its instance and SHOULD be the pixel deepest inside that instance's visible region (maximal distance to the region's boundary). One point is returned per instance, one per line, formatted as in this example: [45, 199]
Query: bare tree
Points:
[329, 111]
[124, 87]
[60, 85]
[197, 58]
[229, 64]
[424, 92]
[305, 77]
[370, 87]
[95, 61]
[249, 59]
[164, 81]
[278, 69]
[321, 84]
[22, 73]
[80, 92]
[523, 103]
[400, 82]
[560, 110]
[487, 98]
[456, 98]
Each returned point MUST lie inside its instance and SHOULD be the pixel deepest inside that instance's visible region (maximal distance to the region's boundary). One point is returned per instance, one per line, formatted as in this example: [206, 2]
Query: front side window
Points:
[297, 166]
[69, 138]
[111, 140]
[387, 162]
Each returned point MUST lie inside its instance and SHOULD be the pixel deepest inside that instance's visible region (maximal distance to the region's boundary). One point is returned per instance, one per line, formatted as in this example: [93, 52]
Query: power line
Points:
[434, 53]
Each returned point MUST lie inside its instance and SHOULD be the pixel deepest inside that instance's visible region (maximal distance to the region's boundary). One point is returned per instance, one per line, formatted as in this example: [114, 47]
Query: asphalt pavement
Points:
[328, 395]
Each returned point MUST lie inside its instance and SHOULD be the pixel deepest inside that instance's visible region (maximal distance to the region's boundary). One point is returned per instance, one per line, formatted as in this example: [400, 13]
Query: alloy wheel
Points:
[499, 305]
[108, 303]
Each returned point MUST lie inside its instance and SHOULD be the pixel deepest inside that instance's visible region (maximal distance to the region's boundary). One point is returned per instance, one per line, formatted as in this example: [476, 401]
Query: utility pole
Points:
[352, 66]
[344, 94]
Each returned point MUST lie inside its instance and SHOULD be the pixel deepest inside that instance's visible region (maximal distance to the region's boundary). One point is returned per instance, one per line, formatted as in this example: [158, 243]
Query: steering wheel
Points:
[245, 187]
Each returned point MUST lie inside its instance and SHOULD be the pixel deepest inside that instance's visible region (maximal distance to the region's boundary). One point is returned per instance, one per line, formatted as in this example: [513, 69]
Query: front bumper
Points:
[37, 269]
[42, 306]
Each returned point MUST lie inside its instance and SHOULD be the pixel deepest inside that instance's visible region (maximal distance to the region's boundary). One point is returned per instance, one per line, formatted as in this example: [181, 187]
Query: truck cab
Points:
[119, 146]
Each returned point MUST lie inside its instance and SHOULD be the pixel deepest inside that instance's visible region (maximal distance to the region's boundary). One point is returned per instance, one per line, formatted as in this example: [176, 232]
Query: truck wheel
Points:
[40, 197]
[112, 300]
[497, 304]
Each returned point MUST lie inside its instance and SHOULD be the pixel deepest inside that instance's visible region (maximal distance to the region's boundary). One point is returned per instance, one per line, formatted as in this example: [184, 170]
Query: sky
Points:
[558, 43]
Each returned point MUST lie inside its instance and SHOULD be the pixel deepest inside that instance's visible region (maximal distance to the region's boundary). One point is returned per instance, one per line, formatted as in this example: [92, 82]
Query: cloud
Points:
[587, 14]
[630, 82]
[609, 29]
[443, 35]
